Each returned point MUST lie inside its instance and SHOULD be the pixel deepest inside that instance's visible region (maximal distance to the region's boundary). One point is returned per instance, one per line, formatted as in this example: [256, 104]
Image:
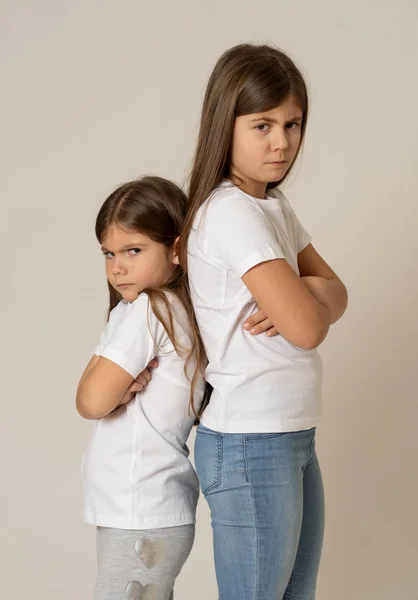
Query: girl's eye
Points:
[108, 255]
[263, 127]
[293, 125]
[134, 251]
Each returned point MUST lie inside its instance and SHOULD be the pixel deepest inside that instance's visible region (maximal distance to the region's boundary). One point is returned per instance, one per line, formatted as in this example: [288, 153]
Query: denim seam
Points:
[208, 433]
[312, 454]
[262, 436]
[244, 440]
[217, 483]
[289, 588]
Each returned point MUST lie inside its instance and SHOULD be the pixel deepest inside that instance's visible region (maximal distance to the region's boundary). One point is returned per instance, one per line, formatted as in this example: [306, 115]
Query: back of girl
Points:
[139, 487]
[264, 300]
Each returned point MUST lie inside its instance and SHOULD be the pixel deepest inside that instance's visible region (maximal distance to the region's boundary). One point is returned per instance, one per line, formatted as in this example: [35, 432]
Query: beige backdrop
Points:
[98, 92]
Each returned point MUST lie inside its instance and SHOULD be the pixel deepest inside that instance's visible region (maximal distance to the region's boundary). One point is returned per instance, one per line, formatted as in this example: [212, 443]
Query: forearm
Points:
[90, 404]
[101, 389]
[331, 293]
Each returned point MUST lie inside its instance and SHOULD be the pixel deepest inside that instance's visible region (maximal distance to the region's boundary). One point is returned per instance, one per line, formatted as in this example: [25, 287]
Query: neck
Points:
[252, 188]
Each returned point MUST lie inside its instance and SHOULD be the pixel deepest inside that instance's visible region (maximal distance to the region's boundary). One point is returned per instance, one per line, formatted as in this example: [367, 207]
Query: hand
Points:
[139, 383]
[259, 323]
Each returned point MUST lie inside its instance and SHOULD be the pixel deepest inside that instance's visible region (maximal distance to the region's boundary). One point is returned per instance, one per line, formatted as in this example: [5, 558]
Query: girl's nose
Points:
[279, 139]
[118, 267]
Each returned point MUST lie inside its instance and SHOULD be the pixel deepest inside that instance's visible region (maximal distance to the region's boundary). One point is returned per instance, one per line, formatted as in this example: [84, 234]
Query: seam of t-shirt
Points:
[105, 520]
[122, 361]
[279, 425]
[256, 258]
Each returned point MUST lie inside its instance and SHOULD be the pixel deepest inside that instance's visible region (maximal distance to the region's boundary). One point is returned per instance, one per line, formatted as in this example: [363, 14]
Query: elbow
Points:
[344, 299]
[87, 406]
[340, 305]
[315, 332]
[313, 341]
[86, 411]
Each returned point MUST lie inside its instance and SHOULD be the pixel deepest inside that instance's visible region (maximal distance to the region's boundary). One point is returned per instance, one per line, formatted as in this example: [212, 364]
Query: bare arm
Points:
[331, 293]
[288, 303]
[101, 388]
[323, 283]
[92, 362]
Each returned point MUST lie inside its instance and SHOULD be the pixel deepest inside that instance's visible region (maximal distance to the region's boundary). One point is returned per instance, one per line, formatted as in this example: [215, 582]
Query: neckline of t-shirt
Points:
[265, 200]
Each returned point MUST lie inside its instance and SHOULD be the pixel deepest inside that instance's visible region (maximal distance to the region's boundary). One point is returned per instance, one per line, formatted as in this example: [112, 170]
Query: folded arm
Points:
[102, 388]
[301, 308]
[323, 283]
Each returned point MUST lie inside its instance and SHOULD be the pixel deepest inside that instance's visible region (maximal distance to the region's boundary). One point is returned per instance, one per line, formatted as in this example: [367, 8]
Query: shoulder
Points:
[118, 313]
[139, 305]
[227, 203]
[148, 314]
[228, 195]
[283, 202]
[163, 299]
[137, 311]
[168, 310]
[164, 304]
[280, 197]
[170, 301]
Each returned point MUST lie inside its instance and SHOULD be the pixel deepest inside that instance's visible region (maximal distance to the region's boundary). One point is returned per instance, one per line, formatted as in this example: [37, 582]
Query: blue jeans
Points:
[266, 500]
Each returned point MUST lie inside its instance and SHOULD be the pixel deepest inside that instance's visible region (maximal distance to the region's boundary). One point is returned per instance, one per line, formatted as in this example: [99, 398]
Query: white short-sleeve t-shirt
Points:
[261, 384]
[136, 473]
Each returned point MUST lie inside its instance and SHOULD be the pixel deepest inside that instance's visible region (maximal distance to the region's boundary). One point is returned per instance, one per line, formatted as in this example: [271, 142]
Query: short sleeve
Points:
[240, 234]
[102, 341]
[302, 237]
[115, 318]
[136, 338]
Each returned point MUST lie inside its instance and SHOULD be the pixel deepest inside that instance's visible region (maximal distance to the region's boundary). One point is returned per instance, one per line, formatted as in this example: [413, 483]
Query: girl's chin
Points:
[129, 296]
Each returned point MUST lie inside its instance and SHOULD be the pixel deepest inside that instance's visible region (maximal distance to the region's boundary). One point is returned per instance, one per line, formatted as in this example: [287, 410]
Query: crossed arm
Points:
[105, 386]
[301, 308]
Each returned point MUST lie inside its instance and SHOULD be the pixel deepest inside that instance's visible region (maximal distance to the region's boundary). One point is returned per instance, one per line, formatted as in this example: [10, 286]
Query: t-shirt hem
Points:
[113, 522]
[270, 426]
[304, 243]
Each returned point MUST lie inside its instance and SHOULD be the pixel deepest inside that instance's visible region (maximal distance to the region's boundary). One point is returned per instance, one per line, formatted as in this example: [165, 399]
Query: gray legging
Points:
[140, 565]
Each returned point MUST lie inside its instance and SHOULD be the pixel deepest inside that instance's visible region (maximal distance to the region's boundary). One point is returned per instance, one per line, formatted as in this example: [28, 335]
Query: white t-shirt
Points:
[261, 384]
[136, 473]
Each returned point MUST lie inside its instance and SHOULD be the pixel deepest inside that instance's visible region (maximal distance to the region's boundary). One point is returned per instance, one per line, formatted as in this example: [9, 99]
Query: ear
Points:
[175, 250]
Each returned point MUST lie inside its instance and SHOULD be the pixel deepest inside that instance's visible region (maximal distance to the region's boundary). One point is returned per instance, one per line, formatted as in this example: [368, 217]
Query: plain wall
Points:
[97, 93]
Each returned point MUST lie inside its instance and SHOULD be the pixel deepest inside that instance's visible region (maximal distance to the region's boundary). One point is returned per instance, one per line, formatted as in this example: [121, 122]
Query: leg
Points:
[140, 565]
[254, 487]
[221, 470]
[302, 584]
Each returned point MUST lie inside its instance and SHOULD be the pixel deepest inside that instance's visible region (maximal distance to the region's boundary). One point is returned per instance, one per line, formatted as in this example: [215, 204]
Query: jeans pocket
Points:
[208, 458]
[255, 437]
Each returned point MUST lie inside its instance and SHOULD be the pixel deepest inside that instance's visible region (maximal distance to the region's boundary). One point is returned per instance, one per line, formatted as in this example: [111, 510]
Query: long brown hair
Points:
[246, 79]
[156, 208]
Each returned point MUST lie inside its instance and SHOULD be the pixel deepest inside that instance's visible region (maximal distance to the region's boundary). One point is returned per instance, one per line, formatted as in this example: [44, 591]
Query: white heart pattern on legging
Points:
[151, 552]
[135, 591]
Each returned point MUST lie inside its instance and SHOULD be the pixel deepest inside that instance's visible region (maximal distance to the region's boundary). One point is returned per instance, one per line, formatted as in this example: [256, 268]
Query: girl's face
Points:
[134, 262]
[264, 146]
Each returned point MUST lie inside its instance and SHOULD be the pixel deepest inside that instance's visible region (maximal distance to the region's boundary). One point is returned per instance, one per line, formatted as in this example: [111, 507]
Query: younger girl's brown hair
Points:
[156, 208]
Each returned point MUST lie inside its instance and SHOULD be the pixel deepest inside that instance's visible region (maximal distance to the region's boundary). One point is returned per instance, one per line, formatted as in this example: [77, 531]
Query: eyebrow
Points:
[270, 120]
[125, 247]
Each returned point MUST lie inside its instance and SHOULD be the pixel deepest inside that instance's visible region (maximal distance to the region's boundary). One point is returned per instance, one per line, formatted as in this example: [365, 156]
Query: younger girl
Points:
[140, 489]
[255, 447]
